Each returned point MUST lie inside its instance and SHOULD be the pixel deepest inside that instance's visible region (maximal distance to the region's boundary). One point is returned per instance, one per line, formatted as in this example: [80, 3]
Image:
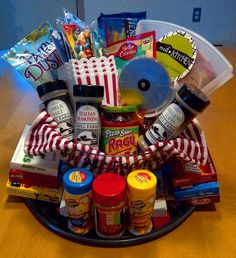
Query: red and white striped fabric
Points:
[44, 137]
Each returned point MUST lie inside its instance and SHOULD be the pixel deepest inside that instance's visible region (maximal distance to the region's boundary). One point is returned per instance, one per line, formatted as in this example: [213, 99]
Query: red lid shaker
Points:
[109, 196]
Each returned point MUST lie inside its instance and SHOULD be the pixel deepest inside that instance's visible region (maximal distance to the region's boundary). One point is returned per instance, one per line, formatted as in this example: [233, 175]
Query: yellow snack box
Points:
[34, 192]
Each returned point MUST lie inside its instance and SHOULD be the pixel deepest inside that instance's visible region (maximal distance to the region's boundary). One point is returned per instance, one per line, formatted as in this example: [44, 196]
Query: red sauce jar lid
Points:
[109, 189]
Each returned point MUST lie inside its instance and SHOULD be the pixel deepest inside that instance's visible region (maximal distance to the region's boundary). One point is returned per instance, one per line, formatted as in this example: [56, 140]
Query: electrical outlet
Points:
[196, 14]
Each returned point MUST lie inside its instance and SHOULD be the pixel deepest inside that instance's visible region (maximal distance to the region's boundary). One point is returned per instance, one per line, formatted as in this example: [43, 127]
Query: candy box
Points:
[28, 178]
[184, 174]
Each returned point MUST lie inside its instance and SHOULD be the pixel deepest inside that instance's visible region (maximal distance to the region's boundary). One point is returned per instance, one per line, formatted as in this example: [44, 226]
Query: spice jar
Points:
[88, 100]
[120, 130]
[141, 188]
[109, 196]
[187, 103]
[57, 103]
[78, 197]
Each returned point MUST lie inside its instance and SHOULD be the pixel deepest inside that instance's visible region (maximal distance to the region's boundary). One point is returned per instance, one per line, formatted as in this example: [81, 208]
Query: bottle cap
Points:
[48, 87]
[109, 189]
[77, 181]
[88, 91]
[193, 97]
[141, 183]
[119, 109]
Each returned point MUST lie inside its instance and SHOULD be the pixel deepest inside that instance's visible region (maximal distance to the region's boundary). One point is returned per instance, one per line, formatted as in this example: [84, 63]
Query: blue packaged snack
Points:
[35, 57]
[59, 43]
[114, 27]
[204, 189]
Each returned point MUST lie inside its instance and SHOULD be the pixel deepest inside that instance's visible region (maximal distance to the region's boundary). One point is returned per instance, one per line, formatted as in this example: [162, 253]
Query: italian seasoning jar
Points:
[141, 192]
[88, 100]
[188, 102]
[77, 184]
[109, 197]
[56, 101]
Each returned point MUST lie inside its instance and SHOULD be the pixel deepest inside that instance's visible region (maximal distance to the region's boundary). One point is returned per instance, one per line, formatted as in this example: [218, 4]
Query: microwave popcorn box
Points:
[45, 163]
[34, 192]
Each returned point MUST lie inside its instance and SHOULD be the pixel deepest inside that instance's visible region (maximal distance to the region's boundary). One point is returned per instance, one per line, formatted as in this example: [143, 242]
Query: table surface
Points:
[206, 233]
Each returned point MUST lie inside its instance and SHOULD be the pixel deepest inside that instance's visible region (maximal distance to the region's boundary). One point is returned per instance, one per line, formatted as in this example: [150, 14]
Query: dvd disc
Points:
[145, 82]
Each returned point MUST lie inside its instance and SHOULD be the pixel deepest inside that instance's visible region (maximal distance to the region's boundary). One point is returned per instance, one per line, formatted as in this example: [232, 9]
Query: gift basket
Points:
[116, 156]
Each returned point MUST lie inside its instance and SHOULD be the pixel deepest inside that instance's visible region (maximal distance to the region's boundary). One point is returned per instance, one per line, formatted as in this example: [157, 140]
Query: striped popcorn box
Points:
[94, 71]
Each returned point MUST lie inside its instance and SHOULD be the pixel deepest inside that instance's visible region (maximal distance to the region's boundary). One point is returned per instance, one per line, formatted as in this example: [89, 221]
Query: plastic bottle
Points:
[187, 103]
[88, 100]
[77, 184]
[141, 188]
[109, 196]
[57, 103]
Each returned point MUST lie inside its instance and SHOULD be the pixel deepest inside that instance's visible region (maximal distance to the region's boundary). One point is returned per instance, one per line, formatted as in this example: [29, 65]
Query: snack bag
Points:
[114, 27]
[140, 45]
[57, 38]
[35, 57]
[79, 40]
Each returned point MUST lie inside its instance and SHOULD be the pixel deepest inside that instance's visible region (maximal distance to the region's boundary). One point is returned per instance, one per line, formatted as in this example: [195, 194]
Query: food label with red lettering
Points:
[120, 140]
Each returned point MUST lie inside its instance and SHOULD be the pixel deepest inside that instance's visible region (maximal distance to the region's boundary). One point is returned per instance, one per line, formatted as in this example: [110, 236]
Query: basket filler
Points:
[44, 137]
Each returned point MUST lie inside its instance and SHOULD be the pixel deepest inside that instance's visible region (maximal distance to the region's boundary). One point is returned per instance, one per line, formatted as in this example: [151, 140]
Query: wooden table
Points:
[206, 233]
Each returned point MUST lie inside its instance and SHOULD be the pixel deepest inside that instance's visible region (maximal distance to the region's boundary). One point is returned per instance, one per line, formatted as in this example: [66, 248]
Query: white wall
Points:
[218, 19]
[19, 17]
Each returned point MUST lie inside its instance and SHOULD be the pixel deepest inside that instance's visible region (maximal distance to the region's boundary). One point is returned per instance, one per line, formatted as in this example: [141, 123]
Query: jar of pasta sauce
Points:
[109, 196]
[77, 184]
[120, 130]
[141, 192]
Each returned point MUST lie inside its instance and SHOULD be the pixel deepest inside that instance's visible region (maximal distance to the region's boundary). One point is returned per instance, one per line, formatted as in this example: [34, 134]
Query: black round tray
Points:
[47, 214]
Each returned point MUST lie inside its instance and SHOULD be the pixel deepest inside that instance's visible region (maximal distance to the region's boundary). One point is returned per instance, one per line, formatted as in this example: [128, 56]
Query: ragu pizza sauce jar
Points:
[109, 197]
[120, 130]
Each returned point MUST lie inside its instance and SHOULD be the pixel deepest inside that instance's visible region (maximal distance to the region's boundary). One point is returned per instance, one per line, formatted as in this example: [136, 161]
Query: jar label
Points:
[88, 125]
[79, 208]
[60, 111]
[167, 123]
[120, 140]
[77, 176]
[140, 213]
[110, 222]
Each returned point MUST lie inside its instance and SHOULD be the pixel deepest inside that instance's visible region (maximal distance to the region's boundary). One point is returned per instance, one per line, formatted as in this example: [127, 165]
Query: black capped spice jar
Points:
[88, 100]
[188, 102]
[56, 101]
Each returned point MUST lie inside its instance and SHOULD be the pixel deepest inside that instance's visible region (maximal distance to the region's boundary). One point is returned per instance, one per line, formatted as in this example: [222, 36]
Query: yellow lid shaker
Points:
[141, 197]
